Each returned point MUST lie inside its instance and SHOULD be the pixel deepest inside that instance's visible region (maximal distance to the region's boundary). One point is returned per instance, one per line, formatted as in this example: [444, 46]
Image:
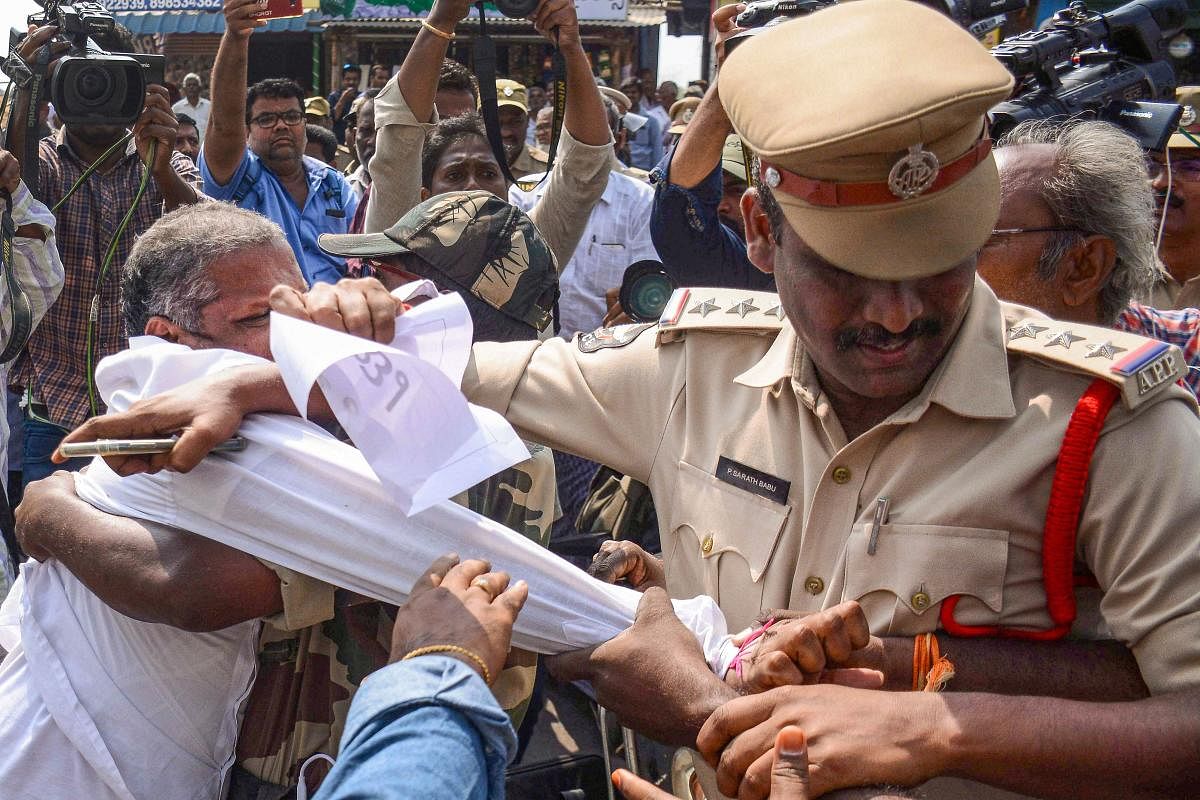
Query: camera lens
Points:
[645, 291]
[94, 86]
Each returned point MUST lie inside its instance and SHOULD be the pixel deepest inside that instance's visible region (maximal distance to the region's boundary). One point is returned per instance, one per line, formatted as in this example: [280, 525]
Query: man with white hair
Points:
[193, 104]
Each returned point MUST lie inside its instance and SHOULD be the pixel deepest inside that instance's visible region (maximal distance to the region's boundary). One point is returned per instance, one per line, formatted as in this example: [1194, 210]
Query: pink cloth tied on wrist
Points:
[754, 636]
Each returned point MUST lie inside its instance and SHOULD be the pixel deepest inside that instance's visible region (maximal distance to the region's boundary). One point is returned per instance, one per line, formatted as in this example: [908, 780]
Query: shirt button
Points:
[841, 474]
[920, 601]
[706, 546]
[814, 585]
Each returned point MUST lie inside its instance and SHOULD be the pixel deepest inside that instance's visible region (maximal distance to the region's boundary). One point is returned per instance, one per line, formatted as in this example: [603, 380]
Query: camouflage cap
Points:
[477, 240]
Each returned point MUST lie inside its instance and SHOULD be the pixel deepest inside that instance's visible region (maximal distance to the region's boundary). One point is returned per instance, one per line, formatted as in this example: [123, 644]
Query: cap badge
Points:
[772, 177]
[913, 174]
[686, 116]
[508, 91]
[1189, 117]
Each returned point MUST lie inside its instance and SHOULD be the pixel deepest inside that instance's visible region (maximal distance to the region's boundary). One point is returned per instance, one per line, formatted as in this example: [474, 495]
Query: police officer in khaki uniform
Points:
[884, 431]
[513, 107]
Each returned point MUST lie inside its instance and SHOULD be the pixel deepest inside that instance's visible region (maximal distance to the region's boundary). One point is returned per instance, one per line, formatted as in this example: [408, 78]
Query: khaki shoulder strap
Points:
[731, 310]
[1139, 367]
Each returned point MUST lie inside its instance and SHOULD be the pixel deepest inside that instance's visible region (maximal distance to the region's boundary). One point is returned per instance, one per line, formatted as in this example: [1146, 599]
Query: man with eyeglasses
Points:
[1177, 194]
[1076, 234]
[259, 164]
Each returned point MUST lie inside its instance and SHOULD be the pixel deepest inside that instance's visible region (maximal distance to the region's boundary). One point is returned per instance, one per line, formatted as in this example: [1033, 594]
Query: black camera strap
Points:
[22, 313]
[484, 56]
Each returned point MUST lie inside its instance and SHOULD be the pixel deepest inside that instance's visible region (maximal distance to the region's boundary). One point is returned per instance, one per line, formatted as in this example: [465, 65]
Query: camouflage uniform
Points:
[307, 678]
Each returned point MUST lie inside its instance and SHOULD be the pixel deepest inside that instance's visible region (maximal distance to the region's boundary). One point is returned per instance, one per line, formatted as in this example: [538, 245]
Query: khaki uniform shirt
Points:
[967, 465]
[1169, 293]
[575, 185]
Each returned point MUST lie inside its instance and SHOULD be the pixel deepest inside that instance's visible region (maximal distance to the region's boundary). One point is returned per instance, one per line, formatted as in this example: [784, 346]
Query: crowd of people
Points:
[917, 420]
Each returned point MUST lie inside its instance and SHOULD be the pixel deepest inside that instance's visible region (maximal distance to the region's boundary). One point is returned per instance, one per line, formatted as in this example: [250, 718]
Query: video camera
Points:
[92, 86]
[1112, 67]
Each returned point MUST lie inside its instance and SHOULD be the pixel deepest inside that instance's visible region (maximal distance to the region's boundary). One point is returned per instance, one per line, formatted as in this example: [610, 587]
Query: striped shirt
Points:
[1180, 328]
[54, 364]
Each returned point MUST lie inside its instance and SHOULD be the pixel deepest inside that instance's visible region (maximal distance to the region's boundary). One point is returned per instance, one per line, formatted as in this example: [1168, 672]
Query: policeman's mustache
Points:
[878, 336]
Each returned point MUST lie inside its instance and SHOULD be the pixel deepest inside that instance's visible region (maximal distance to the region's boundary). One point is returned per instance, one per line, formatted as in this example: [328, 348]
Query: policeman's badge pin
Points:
[913, 174]
[619, 336]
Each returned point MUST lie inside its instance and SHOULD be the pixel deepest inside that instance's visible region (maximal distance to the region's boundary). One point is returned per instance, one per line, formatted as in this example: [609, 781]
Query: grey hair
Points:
[1098, 185]
[166, 274]
[190, 76]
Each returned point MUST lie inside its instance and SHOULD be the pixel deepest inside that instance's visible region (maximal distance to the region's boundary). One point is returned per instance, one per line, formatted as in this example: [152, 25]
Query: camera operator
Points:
[696, 224]
[253, 153]
[54, 373]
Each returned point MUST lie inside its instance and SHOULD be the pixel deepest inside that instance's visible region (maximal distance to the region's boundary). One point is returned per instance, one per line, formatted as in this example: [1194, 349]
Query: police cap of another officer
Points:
[874, 144]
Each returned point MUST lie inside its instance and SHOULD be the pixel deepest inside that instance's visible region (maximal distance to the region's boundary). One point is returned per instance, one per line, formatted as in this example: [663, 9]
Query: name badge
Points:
[753, 480]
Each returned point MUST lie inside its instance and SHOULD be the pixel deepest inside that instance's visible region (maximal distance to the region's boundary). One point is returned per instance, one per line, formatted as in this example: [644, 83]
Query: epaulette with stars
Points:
[1138, 366]
[728, 310]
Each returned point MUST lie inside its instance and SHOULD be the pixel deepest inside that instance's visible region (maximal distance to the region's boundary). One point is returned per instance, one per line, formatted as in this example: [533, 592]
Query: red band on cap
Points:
[831, 194]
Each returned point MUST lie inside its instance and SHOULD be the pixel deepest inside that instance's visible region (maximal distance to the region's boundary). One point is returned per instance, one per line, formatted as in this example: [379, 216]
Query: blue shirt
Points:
[328, 209]
[645, 146]
[696, 248]
[427, 728]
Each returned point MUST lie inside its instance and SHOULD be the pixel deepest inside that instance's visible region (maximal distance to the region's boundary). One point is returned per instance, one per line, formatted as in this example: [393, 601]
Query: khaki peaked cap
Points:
[840, 97]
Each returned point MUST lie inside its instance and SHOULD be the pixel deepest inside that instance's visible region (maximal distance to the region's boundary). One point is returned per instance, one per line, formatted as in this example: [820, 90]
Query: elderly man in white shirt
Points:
[193, 104]
[617, 235]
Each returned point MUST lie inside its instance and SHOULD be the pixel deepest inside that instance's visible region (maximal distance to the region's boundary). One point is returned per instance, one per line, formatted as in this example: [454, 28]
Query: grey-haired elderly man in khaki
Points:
[883, 432]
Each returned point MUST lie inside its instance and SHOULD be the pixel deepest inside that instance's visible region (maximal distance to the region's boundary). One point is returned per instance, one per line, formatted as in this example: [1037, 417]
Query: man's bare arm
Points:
[418, 75]
[1033, 745]
[154, 574]
[225, 138]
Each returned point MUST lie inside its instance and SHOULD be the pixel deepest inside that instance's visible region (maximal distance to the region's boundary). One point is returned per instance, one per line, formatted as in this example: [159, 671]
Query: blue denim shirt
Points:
[696, 248]
[427, 728]
[328, 209]
[645, 146]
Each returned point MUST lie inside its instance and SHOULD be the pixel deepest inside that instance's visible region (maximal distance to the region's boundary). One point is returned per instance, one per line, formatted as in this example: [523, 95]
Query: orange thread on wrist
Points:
[931, 670]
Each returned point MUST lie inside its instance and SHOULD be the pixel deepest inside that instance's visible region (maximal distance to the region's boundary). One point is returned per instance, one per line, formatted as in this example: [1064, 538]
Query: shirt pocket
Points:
[724, 538]
[916, 567]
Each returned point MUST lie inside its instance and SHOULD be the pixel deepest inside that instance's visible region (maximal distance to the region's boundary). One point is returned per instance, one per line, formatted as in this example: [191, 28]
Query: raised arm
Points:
[418, 75]
[225, 140]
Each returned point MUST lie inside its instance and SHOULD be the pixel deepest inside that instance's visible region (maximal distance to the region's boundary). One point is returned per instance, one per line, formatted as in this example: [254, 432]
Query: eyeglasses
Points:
[269, 119]
[999, 234]
[1048, 229]
[1184, 169]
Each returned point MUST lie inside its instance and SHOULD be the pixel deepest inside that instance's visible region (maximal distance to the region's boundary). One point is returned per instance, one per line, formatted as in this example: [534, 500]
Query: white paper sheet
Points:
[401, 403]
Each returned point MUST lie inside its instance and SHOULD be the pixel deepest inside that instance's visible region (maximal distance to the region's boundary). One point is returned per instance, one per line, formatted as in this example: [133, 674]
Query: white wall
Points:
[678, 57]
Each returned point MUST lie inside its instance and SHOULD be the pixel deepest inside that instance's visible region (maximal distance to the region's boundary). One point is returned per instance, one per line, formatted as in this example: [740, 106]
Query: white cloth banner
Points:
[101, 708]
